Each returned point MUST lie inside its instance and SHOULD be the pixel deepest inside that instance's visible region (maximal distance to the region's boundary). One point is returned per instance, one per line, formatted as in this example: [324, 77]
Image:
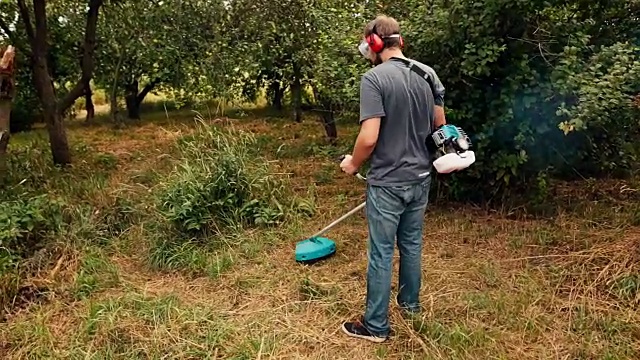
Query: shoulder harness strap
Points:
[418, 70]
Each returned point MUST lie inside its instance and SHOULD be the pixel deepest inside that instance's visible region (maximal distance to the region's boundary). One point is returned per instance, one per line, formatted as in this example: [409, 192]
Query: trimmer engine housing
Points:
[450, 145]
[450, 139]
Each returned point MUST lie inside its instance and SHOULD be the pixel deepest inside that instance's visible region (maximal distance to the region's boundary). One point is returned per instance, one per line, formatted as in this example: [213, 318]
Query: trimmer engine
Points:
[451, 146]
[450, 139]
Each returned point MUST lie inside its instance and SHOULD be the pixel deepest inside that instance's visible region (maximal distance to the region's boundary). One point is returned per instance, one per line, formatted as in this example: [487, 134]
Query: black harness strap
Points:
[418, 70]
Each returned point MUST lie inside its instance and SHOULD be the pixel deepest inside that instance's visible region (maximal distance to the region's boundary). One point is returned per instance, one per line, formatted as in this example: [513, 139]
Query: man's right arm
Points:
[438, 98]
[439, 118]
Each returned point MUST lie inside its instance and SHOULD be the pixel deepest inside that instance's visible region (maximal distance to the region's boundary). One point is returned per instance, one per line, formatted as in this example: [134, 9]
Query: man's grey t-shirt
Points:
[404, 102]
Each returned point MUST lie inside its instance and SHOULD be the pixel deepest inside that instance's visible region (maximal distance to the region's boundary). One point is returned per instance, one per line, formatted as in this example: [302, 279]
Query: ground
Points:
[496, 285]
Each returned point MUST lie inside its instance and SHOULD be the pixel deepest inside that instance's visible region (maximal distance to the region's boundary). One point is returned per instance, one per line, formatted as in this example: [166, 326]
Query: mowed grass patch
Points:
[496, 286]
[131, 325]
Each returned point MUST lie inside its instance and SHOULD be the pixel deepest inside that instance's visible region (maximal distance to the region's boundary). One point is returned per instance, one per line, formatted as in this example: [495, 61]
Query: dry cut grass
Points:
[495, 286]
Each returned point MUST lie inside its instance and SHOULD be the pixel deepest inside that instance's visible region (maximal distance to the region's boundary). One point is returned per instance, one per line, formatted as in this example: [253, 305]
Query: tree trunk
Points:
[42, 79]
[88, 61]
[7, 93]
[53, 119]
[113, 105]
[113, 98]
[133, 109]
[330, 126]
[327, 117]
[296, 93]
[88, 100]
[278, 93]
[113, 109]
[131, 99]
[280, 96]
[52, 109]
[134, 99]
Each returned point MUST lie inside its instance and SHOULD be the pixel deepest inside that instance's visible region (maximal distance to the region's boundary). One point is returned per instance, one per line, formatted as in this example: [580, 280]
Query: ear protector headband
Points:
[373, 42]
[376, 43]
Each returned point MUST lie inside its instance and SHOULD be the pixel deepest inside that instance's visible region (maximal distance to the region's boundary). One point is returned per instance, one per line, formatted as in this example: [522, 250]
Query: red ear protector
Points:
[376, 43]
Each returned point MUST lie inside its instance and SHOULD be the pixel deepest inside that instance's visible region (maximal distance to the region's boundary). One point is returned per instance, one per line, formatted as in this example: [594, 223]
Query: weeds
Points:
[457, 338]
[221, 188]
[223, 183]
[128, 326]
[25, 225]
[96, 272]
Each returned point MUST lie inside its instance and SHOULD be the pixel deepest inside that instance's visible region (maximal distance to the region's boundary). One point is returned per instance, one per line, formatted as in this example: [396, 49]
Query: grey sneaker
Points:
[357, 330]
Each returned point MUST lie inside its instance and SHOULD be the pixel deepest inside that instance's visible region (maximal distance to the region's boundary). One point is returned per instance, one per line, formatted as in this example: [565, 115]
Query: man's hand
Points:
[347, 165]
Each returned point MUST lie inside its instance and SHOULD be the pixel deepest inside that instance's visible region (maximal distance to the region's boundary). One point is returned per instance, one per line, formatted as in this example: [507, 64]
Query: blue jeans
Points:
[394, 212]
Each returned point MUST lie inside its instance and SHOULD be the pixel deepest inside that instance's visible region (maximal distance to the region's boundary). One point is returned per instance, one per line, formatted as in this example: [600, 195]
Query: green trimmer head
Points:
[315, 249]
[318, 248]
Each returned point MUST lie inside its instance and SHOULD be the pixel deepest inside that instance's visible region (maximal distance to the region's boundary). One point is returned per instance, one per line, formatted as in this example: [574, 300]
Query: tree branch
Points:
[5, 29]
[145, 91]
[26, 19]
[88, 60]
[40, 47]
[12, 37]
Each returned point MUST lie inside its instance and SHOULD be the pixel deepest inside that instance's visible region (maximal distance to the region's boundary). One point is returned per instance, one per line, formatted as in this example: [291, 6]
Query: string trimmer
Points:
[318, 248]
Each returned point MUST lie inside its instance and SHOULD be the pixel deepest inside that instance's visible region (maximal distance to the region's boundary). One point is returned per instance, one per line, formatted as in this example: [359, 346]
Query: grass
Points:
[119, 281]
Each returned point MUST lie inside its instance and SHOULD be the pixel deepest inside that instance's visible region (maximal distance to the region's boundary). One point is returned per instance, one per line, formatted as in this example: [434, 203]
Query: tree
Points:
[37, 33]
[151, 45]
[338, 64]
[279, 35]
[7, 93]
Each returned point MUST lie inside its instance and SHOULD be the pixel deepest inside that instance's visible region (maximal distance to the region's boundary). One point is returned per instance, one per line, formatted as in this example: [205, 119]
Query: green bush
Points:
[26, 109]
[25, 225]
[539, 86]
[223, 183]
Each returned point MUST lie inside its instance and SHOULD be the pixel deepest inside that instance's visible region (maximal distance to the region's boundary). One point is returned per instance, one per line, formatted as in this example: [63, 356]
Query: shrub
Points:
[26, 106]
[25, 224]
[223, 183]
[539, 86]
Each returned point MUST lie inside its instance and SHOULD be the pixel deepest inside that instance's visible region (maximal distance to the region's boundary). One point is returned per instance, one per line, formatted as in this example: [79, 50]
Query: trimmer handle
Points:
[358, 175]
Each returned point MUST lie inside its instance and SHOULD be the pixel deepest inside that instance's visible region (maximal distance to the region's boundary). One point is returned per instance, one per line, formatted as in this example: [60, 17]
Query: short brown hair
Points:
[384, 26]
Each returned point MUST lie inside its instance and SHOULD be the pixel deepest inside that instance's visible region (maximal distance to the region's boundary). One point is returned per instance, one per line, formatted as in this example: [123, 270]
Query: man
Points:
[398, 111]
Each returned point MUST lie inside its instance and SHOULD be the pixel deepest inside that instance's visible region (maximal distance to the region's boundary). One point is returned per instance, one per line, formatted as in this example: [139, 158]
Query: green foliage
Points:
[159, 44]
[545, 88]
[30, 173]
[66, 25]
[25, 225]
[602, 85]
[26, 106]
[276, 38]
[221, 189]
[626, 287]
[518, 73]
[339, 65]
[223, 183]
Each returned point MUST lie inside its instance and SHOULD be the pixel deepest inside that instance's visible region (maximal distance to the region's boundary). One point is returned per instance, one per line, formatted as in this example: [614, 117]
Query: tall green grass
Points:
[221, 188]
